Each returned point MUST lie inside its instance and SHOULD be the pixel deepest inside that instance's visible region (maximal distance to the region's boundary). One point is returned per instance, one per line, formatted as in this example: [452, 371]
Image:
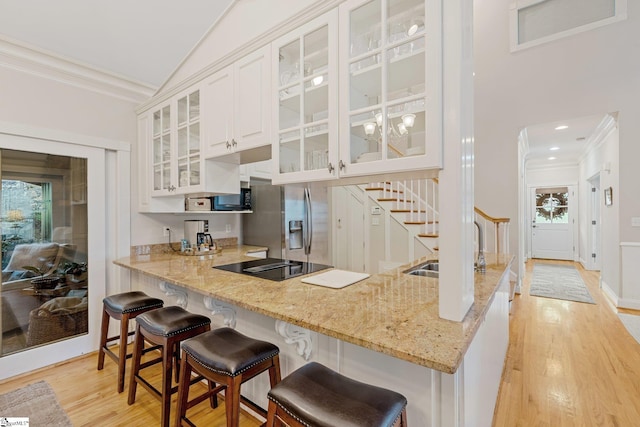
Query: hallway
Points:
[568, 363]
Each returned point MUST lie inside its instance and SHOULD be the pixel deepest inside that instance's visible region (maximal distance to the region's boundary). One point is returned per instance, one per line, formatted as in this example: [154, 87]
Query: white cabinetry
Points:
[170, 157]
[387, 70]
[390, 86]
[305, 113]
[237, 106]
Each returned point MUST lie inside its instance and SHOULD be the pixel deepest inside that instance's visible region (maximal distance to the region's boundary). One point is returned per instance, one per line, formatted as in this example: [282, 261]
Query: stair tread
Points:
[384, 199]
[383, 189]
[428, 235]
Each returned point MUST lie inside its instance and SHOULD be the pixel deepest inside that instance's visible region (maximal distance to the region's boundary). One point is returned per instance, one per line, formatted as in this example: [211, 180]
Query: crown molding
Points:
[309, 13]
[23, 57]
[47, 134]
[607, 125]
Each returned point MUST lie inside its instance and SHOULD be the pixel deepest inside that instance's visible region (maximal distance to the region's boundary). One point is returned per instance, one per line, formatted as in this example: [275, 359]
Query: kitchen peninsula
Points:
[369, 330]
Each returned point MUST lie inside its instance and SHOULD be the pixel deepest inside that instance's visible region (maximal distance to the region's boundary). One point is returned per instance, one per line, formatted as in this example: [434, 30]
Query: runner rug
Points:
[36, 402]
[560, 282]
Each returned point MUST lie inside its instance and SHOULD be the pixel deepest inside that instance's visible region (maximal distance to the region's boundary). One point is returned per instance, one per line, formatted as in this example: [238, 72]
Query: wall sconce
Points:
[369, 128]
[402, 129]
[408, 120]
[317, 80]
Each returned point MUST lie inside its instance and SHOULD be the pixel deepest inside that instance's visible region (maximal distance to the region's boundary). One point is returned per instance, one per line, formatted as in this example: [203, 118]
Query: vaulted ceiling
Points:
[141, 40]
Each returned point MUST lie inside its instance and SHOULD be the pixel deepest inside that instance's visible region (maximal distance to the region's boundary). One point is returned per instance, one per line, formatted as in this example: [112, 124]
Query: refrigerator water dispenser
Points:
[295, 234]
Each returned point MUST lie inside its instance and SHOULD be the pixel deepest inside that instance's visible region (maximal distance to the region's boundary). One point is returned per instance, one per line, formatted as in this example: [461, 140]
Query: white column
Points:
[456, 178]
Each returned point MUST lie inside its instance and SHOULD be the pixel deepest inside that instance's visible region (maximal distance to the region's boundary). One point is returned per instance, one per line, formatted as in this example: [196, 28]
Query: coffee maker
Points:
[193, 227]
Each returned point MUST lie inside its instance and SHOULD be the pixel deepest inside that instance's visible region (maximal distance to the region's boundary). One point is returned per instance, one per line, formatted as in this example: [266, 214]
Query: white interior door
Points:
[348, 229]
[552, 223]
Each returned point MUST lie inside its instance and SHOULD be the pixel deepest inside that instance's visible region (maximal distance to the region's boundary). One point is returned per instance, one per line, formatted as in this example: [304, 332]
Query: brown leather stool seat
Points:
[122, 307]
[314, 395]
[165, 327]
[228, 358]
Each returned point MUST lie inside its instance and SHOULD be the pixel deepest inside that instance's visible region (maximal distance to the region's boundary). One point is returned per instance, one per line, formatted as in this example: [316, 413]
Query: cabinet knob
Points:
[331, 168]
[234, 143]
[228, 145]
[341, 165]
[172, 188]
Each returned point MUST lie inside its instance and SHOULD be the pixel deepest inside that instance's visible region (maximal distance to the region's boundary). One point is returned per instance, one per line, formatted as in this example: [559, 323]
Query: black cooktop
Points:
[273, 268]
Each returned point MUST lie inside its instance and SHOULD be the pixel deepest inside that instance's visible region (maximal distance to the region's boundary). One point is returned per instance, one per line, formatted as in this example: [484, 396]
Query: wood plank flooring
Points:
[568, 364]
[90, 397]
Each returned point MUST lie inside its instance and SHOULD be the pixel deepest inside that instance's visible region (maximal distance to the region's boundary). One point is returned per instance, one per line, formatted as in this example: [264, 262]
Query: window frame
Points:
[620, 14]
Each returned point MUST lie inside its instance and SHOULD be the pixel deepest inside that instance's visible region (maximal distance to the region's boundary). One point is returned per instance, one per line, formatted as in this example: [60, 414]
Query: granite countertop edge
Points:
[391, 312]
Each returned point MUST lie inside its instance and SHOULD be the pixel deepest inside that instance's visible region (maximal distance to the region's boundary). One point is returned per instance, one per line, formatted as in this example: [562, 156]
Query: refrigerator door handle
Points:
[308, 218]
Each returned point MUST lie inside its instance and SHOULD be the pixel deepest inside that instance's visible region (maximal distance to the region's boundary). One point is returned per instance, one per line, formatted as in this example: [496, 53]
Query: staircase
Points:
[413, 206]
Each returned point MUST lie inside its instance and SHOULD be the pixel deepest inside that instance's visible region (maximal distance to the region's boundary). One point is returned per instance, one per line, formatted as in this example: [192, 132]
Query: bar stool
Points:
[122, 307]
[165, 327]
[314, 395]
[228, 358]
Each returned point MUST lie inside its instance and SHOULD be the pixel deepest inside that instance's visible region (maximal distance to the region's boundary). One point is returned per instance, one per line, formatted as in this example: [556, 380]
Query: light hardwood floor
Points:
[568, 364]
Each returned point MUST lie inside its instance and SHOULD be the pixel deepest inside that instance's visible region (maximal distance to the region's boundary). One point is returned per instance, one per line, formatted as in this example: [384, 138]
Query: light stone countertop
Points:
[392, 313]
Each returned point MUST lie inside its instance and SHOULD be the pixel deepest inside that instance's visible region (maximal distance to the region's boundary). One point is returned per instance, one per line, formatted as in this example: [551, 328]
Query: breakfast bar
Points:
[383, 330]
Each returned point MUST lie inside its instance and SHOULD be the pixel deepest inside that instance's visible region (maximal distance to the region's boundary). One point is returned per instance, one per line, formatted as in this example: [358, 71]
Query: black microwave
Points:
[233, 202]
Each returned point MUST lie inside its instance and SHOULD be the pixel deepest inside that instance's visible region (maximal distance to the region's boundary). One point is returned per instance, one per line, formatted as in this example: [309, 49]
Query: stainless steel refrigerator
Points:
[292, 221]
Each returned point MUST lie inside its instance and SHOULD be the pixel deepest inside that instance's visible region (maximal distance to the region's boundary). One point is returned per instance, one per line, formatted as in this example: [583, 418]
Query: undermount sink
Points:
[430, 268]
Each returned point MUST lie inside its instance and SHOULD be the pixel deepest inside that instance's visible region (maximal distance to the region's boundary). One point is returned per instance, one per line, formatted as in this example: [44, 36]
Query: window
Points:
[538, 21]
[552, 206]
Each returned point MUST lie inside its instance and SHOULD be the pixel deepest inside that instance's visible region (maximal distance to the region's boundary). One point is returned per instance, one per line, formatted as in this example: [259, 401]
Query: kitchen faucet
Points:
[481, 264]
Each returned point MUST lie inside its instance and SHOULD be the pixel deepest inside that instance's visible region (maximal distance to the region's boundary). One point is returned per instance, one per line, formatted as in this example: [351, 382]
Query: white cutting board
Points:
[335, 279]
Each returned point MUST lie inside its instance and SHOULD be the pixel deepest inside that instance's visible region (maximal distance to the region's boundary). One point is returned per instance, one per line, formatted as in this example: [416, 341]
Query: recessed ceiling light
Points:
[562, 127]
[551, 158]
[554, 148]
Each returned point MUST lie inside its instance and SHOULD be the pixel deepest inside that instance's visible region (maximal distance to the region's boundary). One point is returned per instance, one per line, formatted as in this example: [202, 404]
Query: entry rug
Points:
[632, 323]
[34, 405]
[560, 282]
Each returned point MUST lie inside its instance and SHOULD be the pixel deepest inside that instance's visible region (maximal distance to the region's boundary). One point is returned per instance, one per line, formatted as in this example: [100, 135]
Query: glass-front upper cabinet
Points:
[176, 149]
[306, 109]
[161, 148]
[189, 140]
[391, 80]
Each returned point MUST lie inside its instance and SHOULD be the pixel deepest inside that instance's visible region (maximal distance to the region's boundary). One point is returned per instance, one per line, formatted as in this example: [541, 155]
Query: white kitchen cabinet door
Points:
[390, 86]
[237, 105]
[217, 97]
[252, 100]
[305, 102]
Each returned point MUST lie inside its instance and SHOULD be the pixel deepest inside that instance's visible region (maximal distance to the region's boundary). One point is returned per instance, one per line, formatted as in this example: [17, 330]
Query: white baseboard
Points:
[629, 303]
[632, 304]
[609, 292]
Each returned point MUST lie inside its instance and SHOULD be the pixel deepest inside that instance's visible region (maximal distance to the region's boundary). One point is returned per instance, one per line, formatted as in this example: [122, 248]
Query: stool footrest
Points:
[204, 396]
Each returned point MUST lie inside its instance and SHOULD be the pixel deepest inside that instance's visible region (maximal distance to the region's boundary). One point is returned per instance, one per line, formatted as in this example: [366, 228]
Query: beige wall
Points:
[589, 73]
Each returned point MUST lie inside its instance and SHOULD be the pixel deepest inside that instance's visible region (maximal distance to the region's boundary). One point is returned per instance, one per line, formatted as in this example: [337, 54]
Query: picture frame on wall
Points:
[608, 196]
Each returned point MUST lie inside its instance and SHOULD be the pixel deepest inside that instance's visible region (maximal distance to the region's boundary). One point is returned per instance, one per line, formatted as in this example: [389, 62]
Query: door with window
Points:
[552, 223]
[51, 283]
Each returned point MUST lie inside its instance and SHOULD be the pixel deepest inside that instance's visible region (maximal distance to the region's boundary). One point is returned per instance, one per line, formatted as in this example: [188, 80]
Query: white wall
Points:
[603, 152]
[244, 21]
[588, 73]
[46, 103]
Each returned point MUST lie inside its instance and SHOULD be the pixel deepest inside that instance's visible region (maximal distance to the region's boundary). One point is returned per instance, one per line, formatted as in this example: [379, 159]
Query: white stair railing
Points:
[419, 200]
